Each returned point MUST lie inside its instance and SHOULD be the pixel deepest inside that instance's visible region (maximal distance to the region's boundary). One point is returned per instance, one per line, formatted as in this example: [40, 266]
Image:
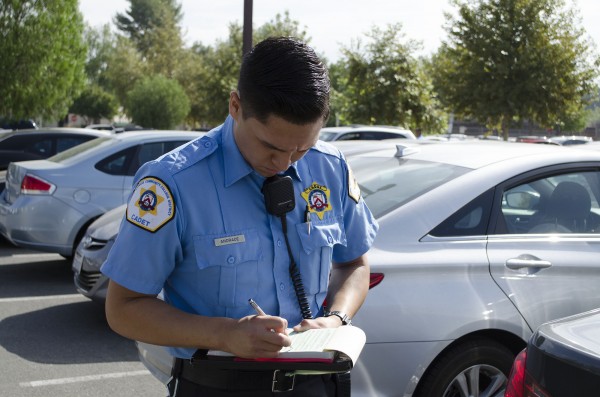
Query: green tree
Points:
[218, 75]
[95, 103]
[144, 17]
[383, 82]
[43, 57]
[281, 25]
[157, 102]
[125, 67]
[513, 60]
[101, 43]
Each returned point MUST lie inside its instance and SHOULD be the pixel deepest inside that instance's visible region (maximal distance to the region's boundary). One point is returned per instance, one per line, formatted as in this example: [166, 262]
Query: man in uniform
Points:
[197, 229]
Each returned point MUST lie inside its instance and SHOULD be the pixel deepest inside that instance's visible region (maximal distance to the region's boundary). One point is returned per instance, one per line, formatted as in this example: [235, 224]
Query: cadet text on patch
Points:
[151, 206]
[317, 199]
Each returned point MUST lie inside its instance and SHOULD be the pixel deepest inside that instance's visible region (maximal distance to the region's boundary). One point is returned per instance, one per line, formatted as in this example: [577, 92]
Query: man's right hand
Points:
[258, 337]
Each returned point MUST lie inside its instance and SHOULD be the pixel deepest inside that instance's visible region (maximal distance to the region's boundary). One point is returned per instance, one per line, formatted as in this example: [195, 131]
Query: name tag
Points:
[230, 240]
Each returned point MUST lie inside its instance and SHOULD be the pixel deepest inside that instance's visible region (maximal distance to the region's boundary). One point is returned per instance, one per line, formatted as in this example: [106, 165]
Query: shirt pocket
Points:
[228, 266]
[316, 253]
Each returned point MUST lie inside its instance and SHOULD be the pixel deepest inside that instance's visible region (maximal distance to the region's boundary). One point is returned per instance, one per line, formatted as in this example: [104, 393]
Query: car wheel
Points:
[479, 367]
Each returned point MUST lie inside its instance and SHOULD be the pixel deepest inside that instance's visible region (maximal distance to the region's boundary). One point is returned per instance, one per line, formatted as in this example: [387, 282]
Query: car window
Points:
[118, 163]
[350, 136]
[565, 203]
[151, 151]
[40, 145]
[64, 143]
[387, 184]
[75, 151]
[128, 161]
[470, 220]
[326, 136]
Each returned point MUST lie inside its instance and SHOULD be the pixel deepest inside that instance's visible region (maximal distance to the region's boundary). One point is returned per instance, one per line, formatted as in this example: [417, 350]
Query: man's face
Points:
[271, 147]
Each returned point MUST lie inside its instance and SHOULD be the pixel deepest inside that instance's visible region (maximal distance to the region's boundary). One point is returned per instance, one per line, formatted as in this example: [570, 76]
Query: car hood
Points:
[107, 226]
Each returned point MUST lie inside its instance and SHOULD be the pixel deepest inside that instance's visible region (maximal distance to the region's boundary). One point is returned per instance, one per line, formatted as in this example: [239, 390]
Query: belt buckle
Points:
[282, 382]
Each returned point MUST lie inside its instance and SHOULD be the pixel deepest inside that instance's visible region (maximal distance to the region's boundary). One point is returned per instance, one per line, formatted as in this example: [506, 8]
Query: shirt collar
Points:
[235, 166]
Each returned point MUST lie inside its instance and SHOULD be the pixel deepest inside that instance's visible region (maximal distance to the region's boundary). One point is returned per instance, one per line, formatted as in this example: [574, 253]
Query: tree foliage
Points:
[515, 60]
[383, 83]
[144, 17]
[157, 102]
[220, 64]
[95, 103]
[43, 56]
[100, 43]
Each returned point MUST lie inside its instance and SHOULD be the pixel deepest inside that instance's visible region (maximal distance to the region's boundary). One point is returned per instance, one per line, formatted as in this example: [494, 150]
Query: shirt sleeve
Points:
[147, 245]
[359, 223]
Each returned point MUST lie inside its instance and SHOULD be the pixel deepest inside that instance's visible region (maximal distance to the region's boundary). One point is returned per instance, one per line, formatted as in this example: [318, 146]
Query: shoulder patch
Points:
[353, 188]
[151, 205]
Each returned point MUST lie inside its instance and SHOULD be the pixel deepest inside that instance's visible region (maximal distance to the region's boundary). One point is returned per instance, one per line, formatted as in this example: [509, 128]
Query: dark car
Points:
[562, 359]
[38, 144]
[17, 124]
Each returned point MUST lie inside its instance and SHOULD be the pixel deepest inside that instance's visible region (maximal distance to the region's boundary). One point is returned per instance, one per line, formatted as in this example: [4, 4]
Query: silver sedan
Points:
[48, 204]
[480, 242]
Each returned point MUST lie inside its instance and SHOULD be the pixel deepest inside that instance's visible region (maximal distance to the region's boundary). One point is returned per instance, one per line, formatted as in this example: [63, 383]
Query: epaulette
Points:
[327, 148]
[190, 154]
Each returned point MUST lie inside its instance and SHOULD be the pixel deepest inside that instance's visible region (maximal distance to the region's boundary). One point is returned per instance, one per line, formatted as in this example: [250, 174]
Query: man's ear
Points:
[235, 105]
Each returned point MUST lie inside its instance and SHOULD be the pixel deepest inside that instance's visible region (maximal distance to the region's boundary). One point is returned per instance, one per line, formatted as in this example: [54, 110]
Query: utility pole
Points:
[247, 32]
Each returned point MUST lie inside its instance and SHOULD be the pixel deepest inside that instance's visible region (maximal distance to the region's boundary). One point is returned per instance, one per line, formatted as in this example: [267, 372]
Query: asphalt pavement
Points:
[55, 342]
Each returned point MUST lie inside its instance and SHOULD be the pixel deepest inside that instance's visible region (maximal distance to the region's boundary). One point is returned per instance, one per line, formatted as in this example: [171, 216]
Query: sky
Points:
[329, 23]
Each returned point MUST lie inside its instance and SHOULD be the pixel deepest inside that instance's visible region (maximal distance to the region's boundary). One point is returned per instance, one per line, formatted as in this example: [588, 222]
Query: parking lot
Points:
[53, 341]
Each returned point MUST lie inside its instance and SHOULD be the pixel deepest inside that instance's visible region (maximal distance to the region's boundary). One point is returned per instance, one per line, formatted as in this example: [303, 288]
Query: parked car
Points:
[480, 242]
[92, 251]
[371, 133]
[535, 139]
[22, 124]
[571, 140]
[36, 144]
[48, 204]
[103, 127]
[562, 359]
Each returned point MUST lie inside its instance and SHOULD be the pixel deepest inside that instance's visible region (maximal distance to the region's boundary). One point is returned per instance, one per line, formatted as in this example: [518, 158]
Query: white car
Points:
[370, 133]
[48, 204]
[480, 242]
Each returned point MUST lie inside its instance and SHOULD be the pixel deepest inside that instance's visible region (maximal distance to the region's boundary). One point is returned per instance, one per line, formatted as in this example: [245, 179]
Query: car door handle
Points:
[527, 261]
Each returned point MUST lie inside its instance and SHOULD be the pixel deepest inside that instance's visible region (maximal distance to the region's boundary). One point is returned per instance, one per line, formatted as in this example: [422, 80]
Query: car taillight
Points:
[375, 279]
[516, 379]
[34, 185]
[520, 383]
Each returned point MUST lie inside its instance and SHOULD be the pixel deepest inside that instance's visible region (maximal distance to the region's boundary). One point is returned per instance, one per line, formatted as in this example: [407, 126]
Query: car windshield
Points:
[327, 136]
[79, 149]
[387, 184]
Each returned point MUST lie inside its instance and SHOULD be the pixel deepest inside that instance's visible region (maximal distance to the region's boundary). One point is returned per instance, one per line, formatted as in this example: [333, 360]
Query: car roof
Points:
[57, 130]
[354, 128]
[148, 134]
[471, 154]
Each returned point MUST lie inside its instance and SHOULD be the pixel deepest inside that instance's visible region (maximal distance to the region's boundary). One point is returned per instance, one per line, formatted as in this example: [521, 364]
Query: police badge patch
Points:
[317, 199]
[151, 205]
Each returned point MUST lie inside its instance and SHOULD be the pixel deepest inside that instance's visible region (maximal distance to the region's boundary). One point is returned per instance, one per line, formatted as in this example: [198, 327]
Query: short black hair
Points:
[283, 76]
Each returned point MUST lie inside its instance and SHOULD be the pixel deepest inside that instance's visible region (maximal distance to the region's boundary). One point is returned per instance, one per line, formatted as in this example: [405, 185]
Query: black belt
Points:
[238, 380]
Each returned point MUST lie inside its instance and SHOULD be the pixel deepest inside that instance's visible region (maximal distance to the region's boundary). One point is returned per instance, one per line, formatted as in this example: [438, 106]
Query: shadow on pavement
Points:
[73, 333]
[45, 277]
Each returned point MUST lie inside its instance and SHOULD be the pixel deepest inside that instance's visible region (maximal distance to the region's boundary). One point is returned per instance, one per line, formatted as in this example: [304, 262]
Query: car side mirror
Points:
[522, 200]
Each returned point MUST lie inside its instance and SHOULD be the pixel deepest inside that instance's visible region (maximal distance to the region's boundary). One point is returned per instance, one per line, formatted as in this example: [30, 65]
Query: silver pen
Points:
[256, 308]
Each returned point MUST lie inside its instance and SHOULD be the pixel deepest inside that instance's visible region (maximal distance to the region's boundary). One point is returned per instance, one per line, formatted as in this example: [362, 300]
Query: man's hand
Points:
[319, 322]
[258, 337]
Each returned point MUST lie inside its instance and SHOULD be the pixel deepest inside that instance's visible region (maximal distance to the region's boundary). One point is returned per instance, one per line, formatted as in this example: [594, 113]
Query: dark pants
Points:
[312, 386]
[189, 380]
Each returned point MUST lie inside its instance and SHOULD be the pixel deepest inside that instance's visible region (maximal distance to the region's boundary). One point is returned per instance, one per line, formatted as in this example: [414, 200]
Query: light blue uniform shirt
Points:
[197, 228]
